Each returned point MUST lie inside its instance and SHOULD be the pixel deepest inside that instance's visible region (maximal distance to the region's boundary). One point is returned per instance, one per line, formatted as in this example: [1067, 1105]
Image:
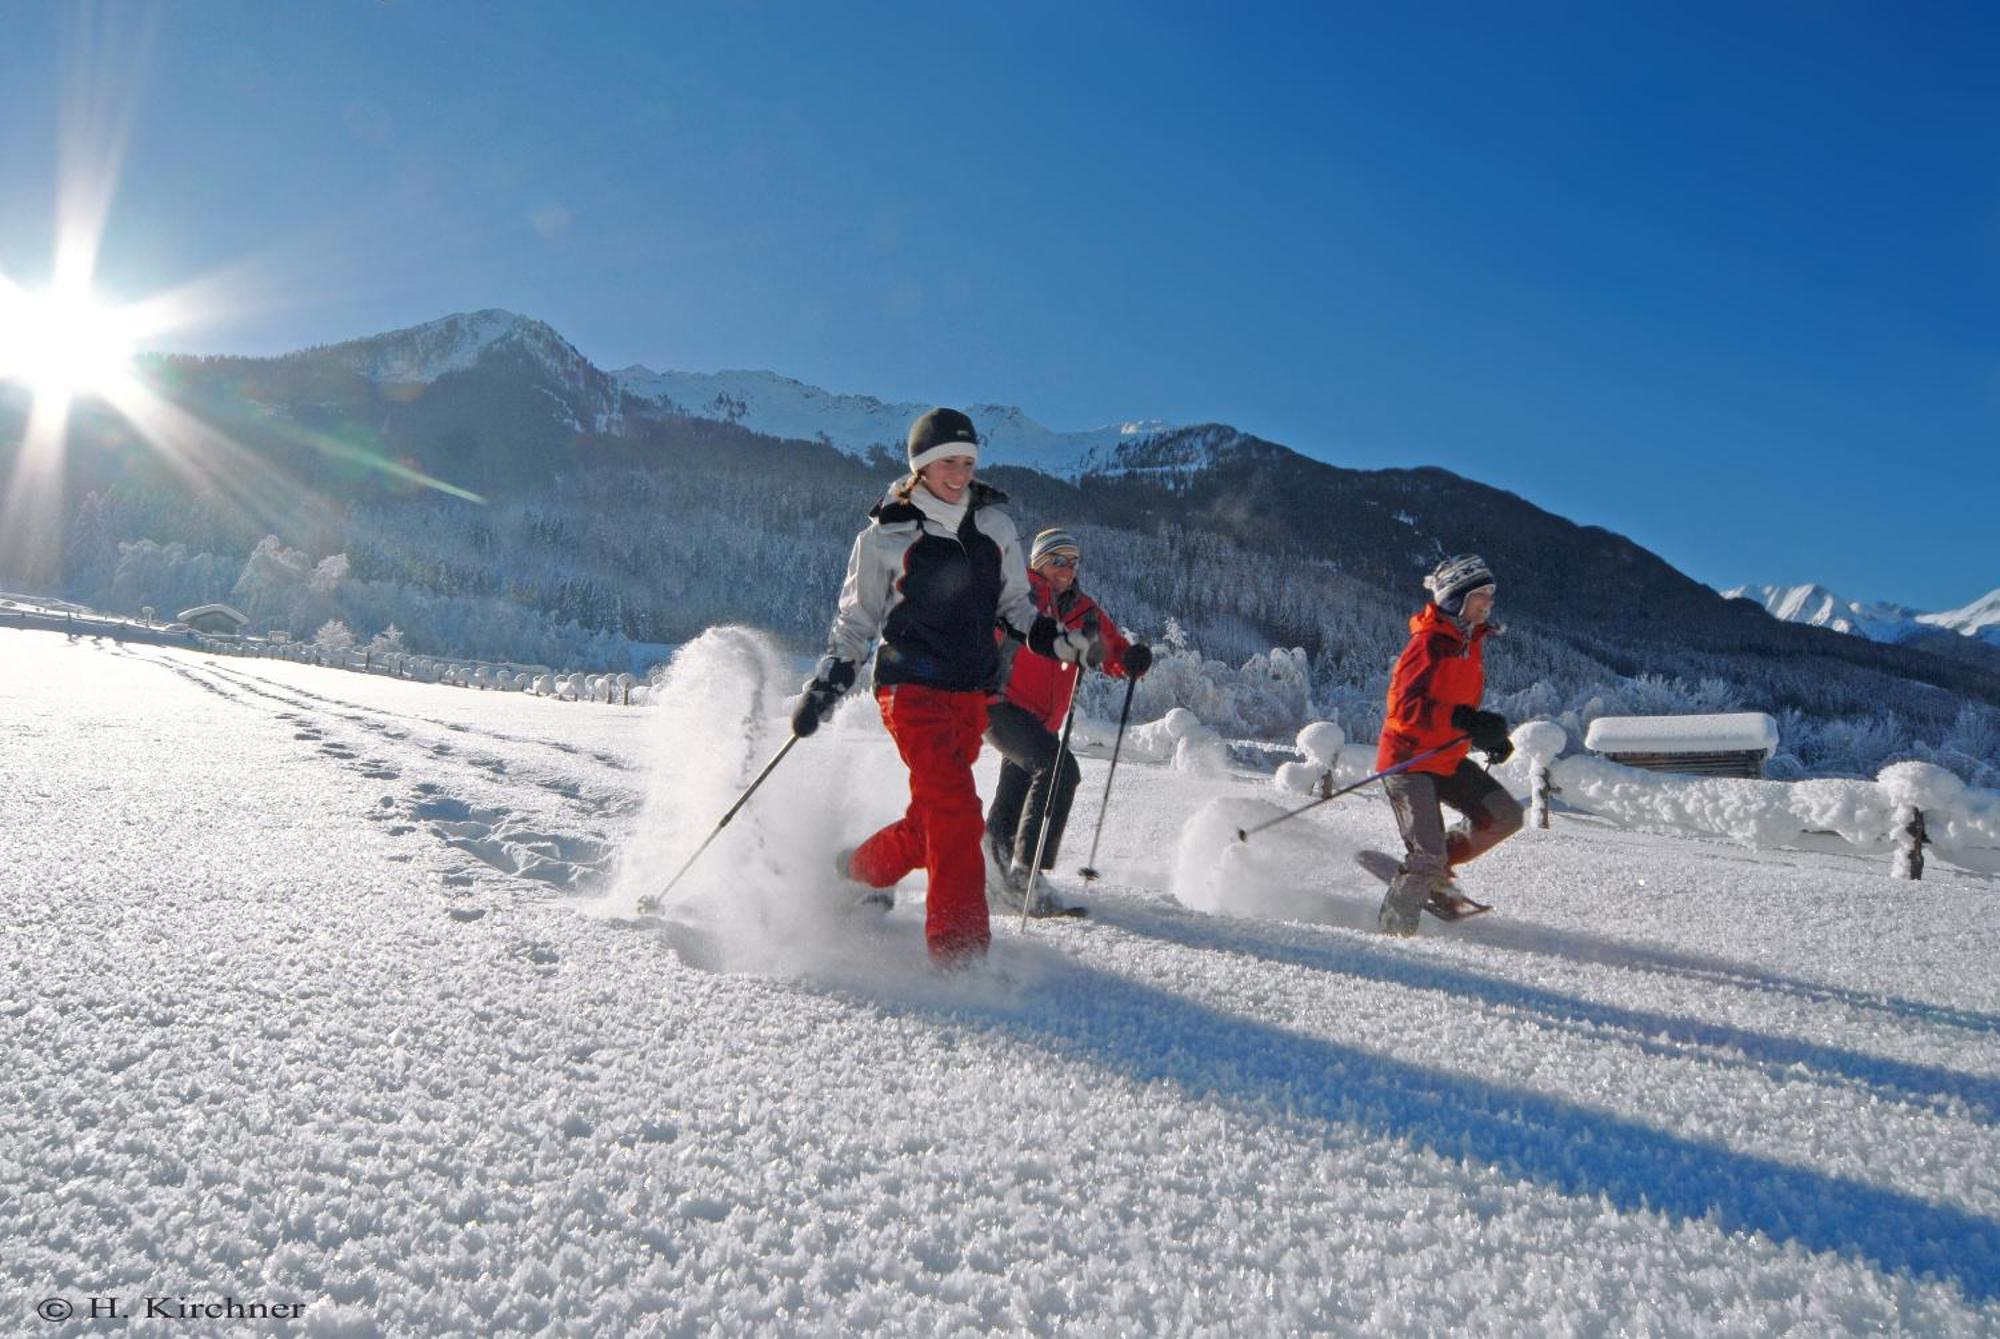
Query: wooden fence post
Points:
[1911, 838]
[1541, 788]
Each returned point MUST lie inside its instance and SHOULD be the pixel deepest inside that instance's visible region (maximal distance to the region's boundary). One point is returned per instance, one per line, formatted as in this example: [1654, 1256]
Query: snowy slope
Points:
[1876, 620]
[781, 407]
[320, 989]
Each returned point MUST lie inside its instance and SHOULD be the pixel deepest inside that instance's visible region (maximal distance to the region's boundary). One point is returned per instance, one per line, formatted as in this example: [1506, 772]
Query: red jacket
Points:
[1041, 685]
[1440, 669]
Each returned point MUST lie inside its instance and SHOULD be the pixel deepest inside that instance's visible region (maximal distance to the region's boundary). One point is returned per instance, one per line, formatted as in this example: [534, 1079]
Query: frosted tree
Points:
[333, 636]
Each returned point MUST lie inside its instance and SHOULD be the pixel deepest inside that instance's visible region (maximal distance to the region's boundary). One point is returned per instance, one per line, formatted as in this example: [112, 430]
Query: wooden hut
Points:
[213, 618]
[1731, 744]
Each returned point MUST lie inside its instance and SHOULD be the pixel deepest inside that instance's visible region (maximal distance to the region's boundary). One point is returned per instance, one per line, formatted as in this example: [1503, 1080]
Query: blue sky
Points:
[1721, 278]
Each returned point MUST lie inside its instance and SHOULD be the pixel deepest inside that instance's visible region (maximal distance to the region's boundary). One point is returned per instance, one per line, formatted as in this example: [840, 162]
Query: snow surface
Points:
[781, 407]
[324, 988]
[1735, 730]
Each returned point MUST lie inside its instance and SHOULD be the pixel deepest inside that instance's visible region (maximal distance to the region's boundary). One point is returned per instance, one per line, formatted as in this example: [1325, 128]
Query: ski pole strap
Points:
[1244, 834]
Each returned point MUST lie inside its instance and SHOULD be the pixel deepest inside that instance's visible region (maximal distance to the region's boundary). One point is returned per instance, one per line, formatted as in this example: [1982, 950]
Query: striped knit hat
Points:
[1051, 542]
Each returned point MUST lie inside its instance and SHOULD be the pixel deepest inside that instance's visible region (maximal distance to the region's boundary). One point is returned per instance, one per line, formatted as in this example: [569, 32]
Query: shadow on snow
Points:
[1150, 1034]
[1923, 1083]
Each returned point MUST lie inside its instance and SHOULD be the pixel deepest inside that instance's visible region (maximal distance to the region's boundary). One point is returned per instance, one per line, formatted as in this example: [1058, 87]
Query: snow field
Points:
[289, 1013]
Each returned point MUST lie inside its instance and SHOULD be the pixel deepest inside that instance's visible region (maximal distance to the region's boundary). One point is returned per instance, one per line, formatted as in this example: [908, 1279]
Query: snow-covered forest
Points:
[611, 567]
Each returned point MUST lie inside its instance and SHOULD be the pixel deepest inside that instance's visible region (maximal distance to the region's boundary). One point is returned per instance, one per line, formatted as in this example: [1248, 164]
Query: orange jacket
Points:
[1440, 669]
[1041, 685]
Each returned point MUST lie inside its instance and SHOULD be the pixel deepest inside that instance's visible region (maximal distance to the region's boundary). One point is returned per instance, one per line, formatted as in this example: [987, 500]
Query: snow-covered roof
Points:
[190, 615]
[1730, 732]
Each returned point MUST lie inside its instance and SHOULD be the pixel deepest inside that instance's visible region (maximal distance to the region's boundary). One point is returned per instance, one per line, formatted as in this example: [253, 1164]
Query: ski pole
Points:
[652, 901]
[1244, 834]
[1049, 802]
[1089, 870]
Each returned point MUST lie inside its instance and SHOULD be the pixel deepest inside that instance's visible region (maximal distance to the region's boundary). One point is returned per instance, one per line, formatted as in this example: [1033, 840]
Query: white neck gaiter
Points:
[949, 515]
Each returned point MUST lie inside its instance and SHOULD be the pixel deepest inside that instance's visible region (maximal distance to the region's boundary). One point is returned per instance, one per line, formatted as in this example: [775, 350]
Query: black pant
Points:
[1030, 765]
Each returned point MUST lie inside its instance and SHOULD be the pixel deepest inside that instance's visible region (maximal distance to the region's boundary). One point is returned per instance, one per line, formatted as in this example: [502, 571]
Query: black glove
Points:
[1488, 730]
[1138, 658]
[831, 677]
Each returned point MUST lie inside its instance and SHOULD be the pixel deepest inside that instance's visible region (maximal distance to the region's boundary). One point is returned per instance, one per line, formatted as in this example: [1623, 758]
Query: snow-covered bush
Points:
[1321, 742]
[1267, 697]
[1154, 741]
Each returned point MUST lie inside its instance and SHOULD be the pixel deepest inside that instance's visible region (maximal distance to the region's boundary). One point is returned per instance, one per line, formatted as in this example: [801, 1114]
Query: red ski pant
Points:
[937, 732]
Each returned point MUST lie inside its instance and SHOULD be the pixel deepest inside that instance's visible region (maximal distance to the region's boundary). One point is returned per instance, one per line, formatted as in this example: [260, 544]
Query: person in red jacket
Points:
[1434, 695]
[1024, 725]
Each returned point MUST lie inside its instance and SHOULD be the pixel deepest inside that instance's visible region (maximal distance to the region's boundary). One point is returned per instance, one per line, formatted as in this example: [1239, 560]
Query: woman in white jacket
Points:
[937, 569]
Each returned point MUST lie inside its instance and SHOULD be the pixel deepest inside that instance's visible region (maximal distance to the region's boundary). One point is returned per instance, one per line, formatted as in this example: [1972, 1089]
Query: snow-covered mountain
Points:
[421, 354]
[1878, 621]
[579, 393]
[778, 406]
[590, 399]
[1979, 619]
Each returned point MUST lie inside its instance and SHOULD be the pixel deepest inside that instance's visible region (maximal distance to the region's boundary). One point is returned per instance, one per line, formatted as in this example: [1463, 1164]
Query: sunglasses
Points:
[1064, 563]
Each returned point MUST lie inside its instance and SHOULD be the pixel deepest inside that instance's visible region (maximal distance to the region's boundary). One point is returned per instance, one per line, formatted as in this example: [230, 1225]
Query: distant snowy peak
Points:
[778, 406]
[423, 353]
[1822, 608]
[1877, 621]
[1979, 619]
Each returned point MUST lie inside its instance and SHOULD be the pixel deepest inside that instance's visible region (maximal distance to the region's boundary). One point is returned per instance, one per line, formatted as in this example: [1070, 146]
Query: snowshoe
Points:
[1445, 902]
[863, 896]
[1451, 906]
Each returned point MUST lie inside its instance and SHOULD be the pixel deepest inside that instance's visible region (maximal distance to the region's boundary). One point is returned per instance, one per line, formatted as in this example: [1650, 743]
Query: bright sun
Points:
[62, 343]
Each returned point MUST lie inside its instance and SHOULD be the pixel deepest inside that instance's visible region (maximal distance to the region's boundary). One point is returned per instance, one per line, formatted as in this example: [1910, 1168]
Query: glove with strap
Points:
[1138, 658]
[1488, 730]
[831, 677]
[1072, 646]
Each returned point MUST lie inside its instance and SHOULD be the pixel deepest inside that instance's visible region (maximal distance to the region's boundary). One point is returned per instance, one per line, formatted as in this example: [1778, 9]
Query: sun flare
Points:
[62, 343]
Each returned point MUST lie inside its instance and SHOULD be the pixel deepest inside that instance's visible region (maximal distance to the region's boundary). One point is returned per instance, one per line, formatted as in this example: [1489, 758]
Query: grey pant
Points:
[1491, 816]
[1029, 768]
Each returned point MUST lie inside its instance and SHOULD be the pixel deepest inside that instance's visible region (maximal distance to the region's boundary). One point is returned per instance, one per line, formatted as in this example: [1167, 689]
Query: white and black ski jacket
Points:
[935, 597]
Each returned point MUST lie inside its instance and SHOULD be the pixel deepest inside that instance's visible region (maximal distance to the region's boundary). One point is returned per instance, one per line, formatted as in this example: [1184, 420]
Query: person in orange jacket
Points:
[1024, 724]
[1434, 695]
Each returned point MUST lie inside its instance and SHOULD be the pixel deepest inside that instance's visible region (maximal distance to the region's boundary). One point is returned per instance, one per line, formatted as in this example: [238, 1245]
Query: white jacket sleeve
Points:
[1017, 610]
[864, 602]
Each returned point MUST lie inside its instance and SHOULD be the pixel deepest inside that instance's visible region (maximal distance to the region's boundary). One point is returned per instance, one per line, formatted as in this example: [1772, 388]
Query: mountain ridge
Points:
[1879, 621]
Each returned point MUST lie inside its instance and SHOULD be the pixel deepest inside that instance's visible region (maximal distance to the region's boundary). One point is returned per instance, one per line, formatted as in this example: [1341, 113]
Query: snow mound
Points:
[1297, 778]
[1922, 785]
[1299, 871]
[1540, 741]
[1321, 741]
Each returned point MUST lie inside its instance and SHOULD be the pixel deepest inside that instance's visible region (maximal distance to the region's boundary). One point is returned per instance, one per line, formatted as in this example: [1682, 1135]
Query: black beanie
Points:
[941, 433]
